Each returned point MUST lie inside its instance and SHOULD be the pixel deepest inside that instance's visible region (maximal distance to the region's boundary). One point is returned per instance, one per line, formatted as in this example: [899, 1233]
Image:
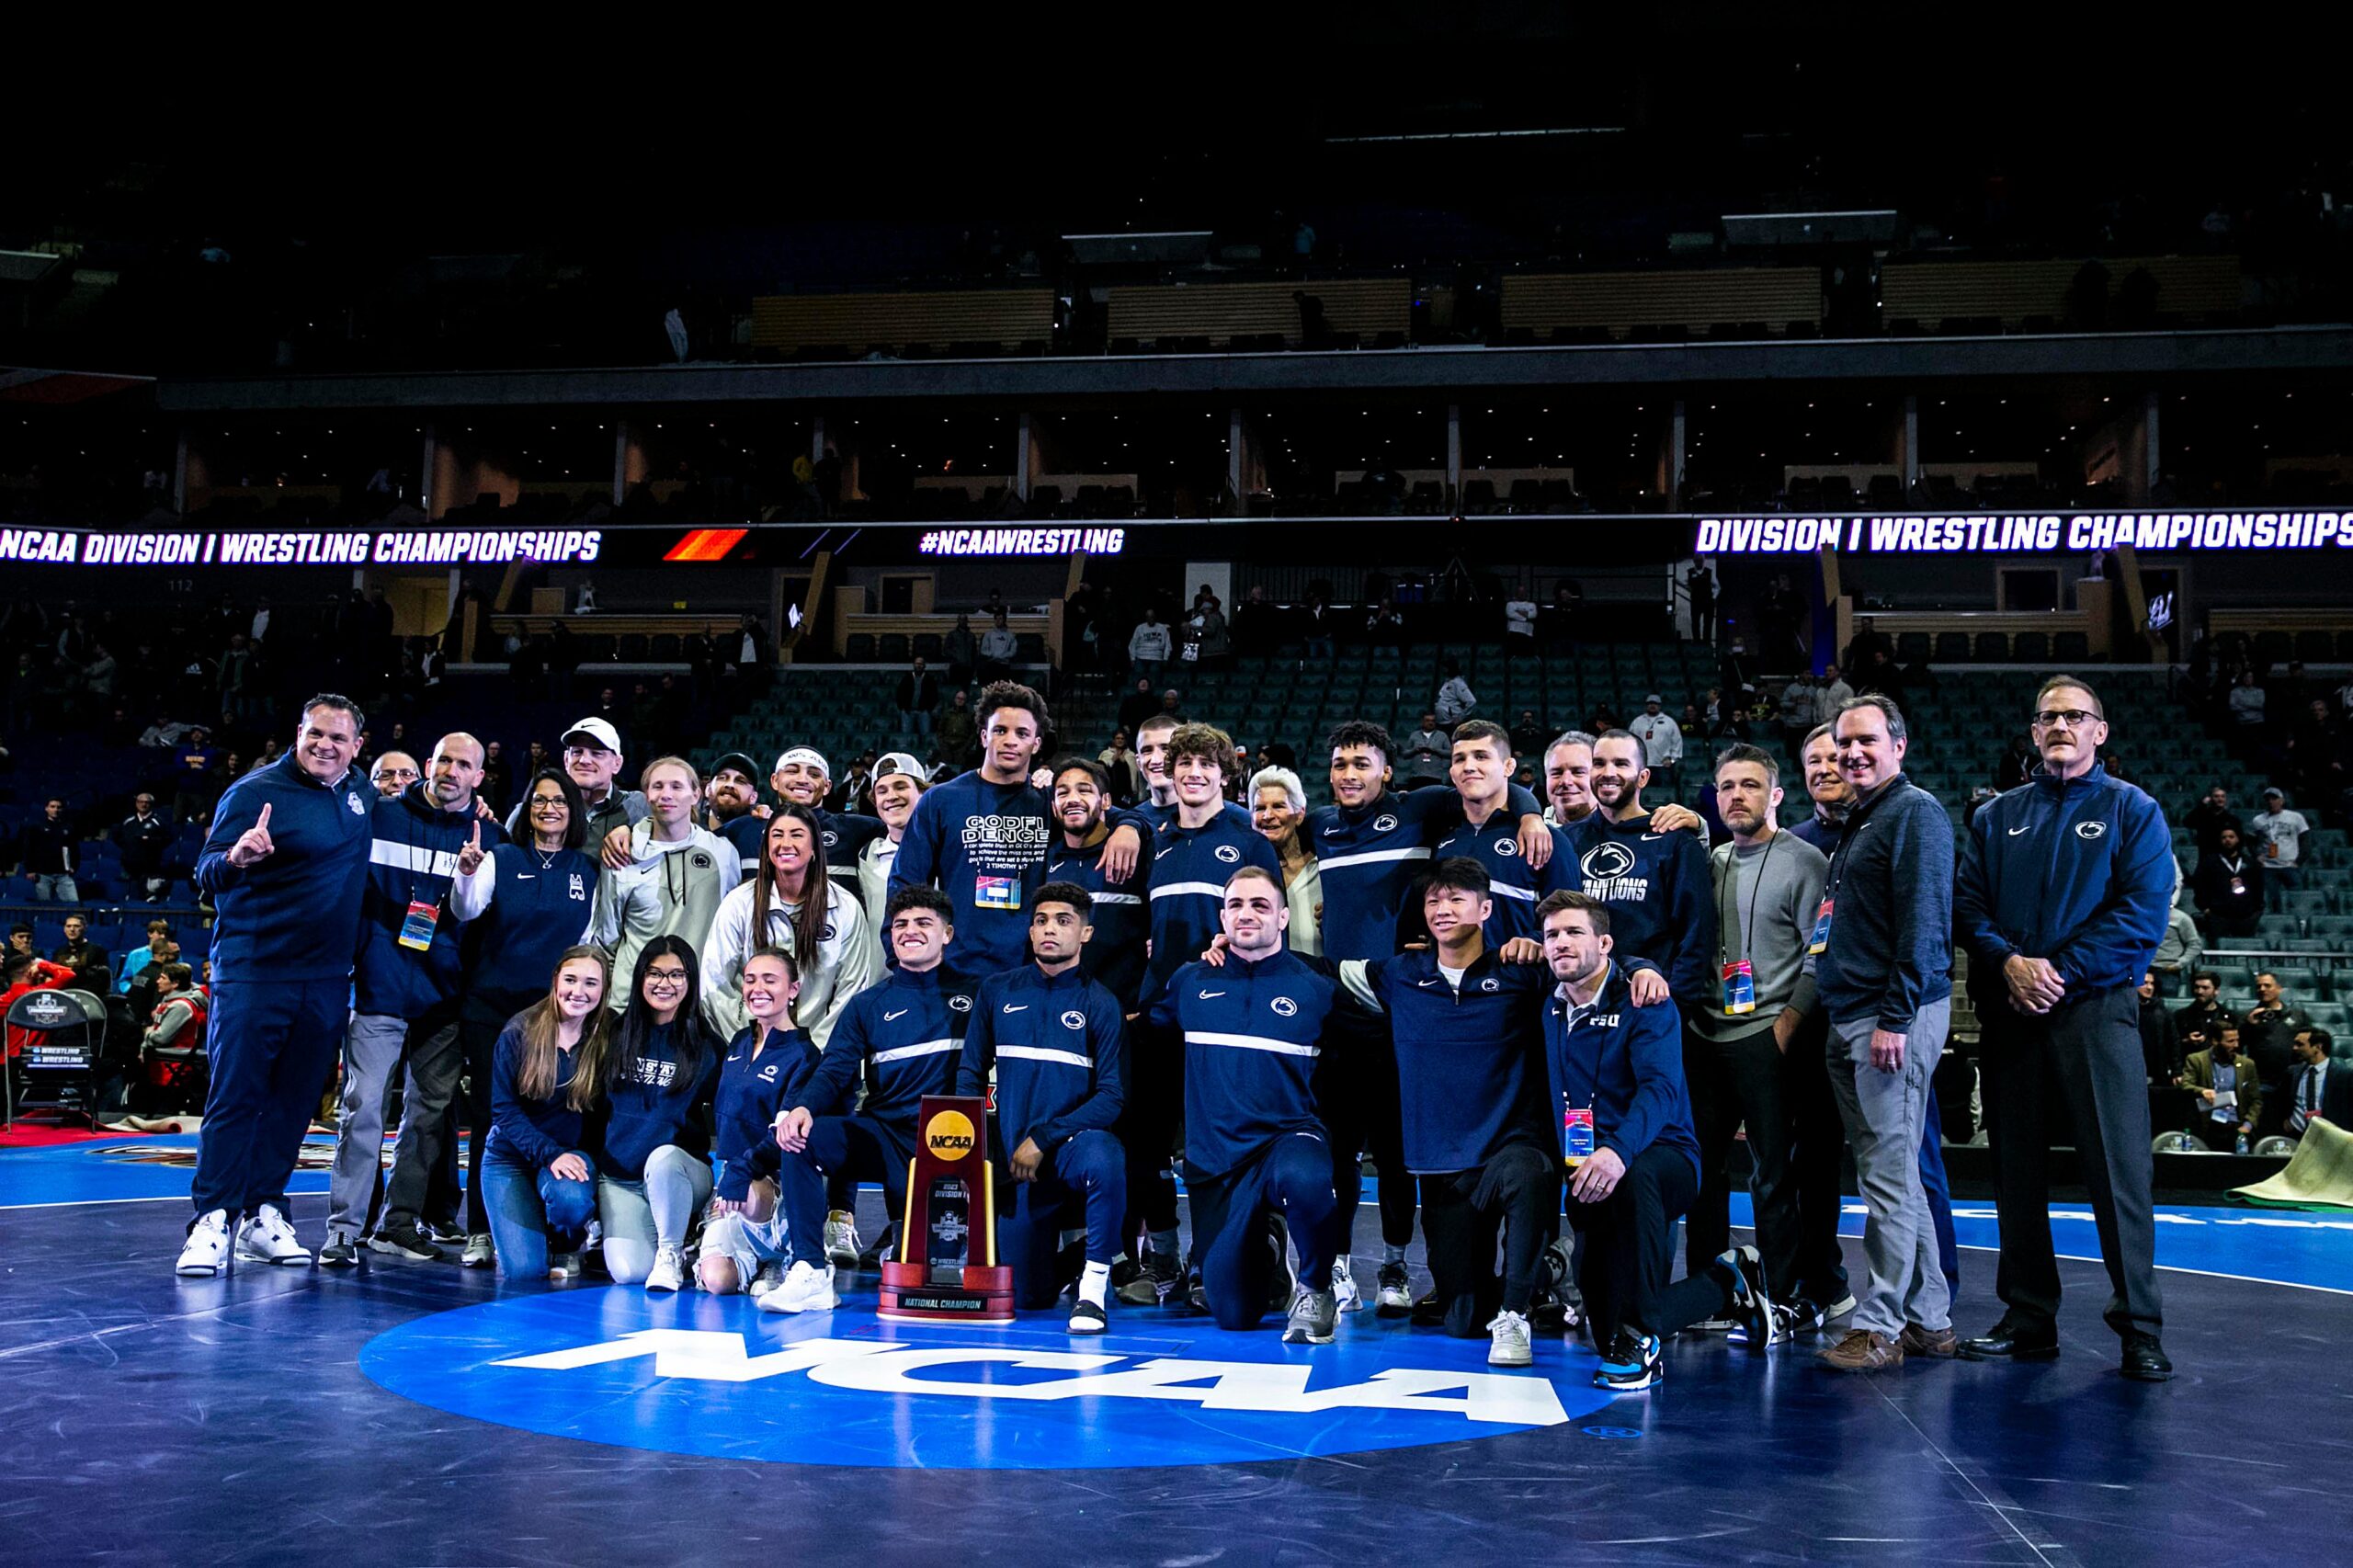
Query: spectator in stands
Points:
[2321, 1093]
[918, 693]
[2205, 1014]
[1138, 705]
[2209, 816]
[195, 785]
[2160, 1045]
[159, 934]
[961, 650]
[497, 777]
[83, 957]
[2245, 703]
[1148, 648]
[22, 972]
[46, 849]
[1120, 766]
[2268, 1031]
[1797, 711]
[2228, 888]
[2280, 833]
[1699, 582]
[393, 773]
[1257, 623]
[1527, 735]
[2179, 949]
[1455, 701]
[2229, 1094]
[1831, 695]
[958, 736]
[999, 649]
[2314, 746]
[176, 1021]
[1208, 632]
[1662, 740]
[1428, 753]
[1520, 623]
[2016, 764]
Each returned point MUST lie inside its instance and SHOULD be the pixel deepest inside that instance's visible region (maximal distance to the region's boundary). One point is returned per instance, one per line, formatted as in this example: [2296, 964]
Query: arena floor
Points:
[418, 1414]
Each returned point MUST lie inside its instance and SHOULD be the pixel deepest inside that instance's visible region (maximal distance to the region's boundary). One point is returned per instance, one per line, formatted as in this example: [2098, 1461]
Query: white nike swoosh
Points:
[1022, 1008]
[1648, 836]
[1163, 854]
[2016, 831]
[1425, 983]
[899, 1014]
[1207, 995]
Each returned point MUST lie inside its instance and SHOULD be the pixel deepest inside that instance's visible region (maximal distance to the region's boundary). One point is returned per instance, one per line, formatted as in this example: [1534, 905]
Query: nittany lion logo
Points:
[961, 1004]
[1506, 847]
[1606, 861]
[2090, 830]
[832, 838]
[1229, 853]
[1385, 824]
[1490, 984]
[1073, 1020]
[1284, 1007]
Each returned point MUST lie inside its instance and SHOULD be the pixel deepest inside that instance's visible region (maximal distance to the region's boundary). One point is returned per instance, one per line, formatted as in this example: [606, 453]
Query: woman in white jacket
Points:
[794, 906]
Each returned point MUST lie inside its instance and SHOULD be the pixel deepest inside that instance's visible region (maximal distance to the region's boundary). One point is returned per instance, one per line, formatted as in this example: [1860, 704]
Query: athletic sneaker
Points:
[447, 1231]
[803, 1289]
[205, 1255]
[268, 1238]
[479, 1252]
[1282, 1284]
[404, 1241]
[1313, 1315]
[668, 1272]
[770, 1276]
[841, 1238]
[1196, 1295]
[340, 1252]
[1087, 1318]
[1344, 1287]
[1558, 1306]
[1396, 1291]
[1161, 1278]
[1507, 1341]
[1631, 1364]
[1711, 1325]
[1755, 1322]
[1840, 1308]
[563, 1266]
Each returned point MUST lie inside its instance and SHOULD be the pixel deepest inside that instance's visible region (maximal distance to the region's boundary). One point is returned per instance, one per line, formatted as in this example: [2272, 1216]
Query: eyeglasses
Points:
[2074, 718]
[409, 773]
[665, 977]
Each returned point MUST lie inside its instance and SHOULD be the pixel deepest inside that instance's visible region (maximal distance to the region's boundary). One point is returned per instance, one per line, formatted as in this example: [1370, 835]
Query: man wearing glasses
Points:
[395, 772]
[2061, 898]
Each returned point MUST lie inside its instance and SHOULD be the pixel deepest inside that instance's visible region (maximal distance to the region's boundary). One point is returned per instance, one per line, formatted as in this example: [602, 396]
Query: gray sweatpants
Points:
[1884, 1113]
[642, 1217]
[373, 1050]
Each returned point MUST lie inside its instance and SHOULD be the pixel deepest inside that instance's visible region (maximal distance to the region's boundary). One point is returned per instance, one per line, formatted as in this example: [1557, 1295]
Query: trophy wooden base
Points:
[909, 1295]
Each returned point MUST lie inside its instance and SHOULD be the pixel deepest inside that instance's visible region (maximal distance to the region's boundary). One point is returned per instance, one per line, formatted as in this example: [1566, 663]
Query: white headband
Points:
[809, 756]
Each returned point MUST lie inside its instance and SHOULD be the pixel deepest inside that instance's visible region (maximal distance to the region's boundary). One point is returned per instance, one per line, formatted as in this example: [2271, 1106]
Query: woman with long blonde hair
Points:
[537, 1181]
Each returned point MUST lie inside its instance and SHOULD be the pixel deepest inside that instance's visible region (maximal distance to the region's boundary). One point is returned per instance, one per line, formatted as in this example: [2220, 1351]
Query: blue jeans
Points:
[1939, 1191]
[1147, 669]
[56, 888]
[528, 1204]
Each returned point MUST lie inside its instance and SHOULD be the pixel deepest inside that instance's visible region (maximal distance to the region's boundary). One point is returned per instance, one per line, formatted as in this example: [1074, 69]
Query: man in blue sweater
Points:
[1468, 1045]
[903, 1038]
[1623, 1119]
[1256, 1164]
[405, 1004]
[982, 837]
[1482, 772]
[284, 865]
[2065, 885]
[1369, 846]
[1882, 958]
[1655, 883]
[1056, 1041]
[1194, 849]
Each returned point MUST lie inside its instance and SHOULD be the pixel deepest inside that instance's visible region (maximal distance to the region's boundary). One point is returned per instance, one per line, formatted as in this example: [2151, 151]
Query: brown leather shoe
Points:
[1862, 1350]
[1937, 1343]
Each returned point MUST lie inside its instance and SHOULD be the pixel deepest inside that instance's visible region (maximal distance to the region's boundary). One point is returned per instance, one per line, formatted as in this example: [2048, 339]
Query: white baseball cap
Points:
[596, 729]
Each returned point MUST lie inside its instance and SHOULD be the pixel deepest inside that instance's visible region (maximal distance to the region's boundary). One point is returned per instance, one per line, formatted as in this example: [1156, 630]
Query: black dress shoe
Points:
[2146, 1360]
[2008, 1340]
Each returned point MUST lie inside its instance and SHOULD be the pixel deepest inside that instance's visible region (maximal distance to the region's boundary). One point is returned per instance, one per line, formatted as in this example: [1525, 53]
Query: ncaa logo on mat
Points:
[696, 1374]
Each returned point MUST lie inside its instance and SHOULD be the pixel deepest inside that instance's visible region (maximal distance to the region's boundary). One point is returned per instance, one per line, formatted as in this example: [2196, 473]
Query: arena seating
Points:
[1755, 301]
[959, 321]
[1997, 296]
[1259, 315]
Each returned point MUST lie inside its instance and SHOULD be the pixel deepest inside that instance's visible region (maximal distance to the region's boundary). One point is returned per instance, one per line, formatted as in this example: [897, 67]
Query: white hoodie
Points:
[848, 959]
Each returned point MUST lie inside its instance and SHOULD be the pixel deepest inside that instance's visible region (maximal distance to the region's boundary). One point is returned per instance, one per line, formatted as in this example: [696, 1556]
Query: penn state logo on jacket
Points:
[2088, 831]
[1605, 866]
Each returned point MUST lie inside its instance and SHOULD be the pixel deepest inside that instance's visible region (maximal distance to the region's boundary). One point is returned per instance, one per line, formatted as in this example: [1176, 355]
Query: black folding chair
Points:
[65, 1030]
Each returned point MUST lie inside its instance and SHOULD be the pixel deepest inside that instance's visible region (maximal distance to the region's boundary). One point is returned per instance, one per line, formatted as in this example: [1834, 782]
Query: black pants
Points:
[1630, 1251]
[1518, 1189]
[2086, 1053]
[1817, 1165]
[1148, 1129]
[1732, 1083]
[1357, 1098]
[482, 1017]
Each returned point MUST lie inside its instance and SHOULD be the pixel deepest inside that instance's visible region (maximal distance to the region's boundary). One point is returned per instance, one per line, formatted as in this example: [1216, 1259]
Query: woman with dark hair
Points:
[524, 904]
[792, 904]
[651, 1131]
[536, 1183]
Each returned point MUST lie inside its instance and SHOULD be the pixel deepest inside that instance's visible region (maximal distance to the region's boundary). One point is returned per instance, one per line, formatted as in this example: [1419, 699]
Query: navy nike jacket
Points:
[1190, 867]
[1368, 856]
[755, 1087]
[1114, 956]
[294, 917]
[1058, 1045]
[1253, 1032]
[906, 1036]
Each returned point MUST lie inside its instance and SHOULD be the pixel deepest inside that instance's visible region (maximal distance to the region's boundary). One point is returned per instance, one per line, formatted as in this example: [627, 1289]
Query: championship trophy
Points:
[947, 1269]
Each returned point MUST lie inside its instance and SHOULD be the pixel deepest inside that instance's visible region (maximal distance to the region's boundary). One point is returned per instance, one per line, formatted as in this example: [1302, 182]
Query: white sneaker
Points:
[841, 1238]
[479, 1252]
[1344, 1287]
[1507, 1341]
[267, 1237]
[206, 1253]
[803, 1289]
[768, 1278]
[668, 1271]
